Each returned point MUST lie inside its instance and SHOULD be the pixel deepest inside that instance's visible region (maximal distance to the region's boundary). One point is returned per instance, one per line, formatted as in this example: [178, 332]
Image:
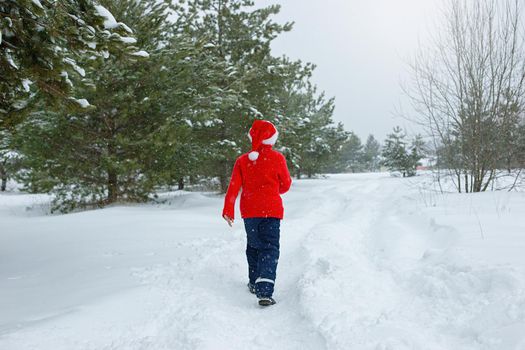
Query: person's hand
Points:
[228, 220]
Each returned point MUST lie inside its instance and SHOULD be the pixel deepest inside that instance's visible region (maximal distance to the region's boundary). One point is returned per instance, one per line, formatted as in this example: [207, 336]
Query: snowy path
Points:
[364, 265]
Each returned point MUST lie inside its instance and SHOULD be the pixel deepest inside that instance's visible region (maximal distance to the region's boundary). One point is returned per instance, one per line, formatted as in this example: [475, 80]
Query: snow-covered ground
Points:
[367, 262]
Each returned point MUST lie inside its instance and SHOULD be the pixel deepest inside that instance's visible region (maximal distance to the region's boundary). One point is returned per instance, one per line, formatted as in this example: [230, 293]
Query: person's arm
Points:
[285, 181]
[228, 212]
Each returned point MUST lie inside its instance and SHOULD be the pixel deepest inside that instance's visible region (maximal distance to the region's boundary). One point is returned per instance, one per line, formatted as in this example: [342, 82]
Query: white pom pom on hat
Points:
[261, 133]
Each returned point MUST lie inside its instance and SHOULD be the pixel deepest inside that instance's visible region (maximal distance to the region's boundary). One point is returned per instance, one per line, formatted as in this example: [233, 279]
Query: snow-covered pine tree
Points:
[245, 79]
[398, 156]
[352, 154]
[41, 45]
[395, 154]
[311, 141]
[126, 145]
[371, 154]
[336, 137]
[45, 48]
[293, 114]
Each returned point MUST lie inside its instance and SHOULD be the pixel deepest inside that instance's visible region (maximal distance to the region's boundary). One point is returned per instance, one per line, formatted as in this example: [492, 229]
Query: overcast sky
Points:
[360, 48]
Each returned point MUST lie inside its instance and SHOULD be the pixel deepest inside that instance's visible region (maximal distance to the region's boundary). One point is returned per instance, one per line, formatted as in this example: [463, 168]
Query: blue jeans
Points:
[262, 252]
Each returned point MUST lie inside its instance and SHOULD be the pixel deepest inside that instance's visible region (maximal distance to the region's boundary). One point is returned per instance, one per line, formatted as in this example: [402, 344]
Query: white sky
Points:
[360, 48]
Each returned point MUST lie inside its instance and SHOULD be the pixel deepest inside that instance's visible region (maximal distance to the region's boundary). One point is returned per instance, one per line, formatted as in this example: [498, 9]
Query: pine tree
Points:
[311, 142]
[398, 156]
[371, 154]
[41, 46]
[294, 113]
[336, 138]
[128, 143]
[246, 75]
[394, 151]
[417, 152]
[45, 48]
[352, 154]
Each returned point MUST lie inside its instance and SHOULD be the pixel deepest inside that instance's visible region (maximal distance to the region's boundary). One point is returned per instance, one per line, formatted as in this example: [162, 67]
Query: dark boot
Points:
[266, 301]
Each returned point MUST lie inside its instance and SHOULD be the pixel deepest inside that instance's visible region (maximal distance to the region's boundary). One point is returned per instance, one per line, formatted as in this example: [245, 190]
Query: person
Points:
[263, 176]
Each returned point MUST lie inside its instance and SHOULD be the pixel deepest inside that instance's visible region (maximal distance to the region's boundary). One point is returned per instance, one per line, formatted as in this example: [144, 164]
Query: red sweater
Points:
[262, 182]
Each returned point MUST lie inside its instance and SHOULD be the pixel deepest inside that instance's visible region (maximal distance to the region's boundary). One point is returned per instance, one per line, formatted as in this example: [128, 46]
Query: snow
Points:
[82, 102]
[10, 61]
[126, 28]
[213, 122]
[141, 53]
[227, 143]
[128, 39]
[20, 104]
[79, 20]
[367, 262]
[8, 21]
[91, 29]
[37, 3]
[26, 84]
[109, 21]
[256, 112]
[9, 155]
[75, 66]
[65, 75]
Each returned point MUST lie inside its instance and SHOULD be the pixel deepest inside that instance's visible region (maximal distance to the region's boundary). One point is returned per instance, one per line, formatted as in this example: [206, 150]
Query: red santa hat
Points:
[261, 133]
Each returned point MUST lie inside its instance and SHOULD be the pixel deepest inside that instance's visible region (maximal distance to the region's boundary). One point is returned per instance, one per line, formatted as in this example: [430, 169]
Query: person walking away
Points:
[263, 176]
